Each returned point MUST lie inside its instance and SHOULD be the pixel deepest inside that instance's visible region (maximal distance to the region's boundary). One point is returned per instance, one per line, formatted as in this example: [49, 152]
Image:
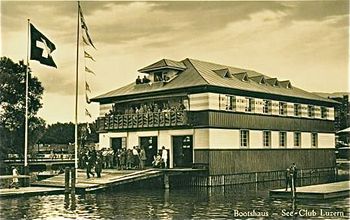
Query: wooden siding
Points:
[247, 161]
[215, 119]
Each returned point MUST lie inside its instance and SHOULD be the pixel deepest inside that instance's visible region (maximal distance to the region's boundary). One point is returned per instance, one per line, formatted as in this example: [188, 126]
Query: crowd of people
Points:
[94, 161]
[147, 108]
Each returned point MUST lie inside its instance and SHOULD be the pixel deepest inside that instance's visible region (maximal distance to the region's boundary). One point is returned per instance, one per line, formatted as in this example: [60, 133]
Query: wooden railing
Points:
[143, 120]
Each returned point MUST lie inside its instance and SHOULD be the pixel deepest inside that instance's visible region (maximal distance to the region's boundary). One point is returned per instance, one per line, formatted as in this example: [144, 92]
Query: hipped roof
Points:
[200, 73]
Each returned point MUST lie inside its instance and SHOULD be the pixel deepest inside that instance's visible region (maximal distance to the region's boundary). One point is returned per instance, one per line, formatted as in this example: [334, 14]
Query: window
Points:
[249, 104]
[324, 112]
[283, 139]
[267, 106]
[297, 110]
[310, 111]
[314, 139]
[158, 76]
[267, 138]
[283, 108]
[244, 138]
[124, 142]
[297, 139]
[231, 102]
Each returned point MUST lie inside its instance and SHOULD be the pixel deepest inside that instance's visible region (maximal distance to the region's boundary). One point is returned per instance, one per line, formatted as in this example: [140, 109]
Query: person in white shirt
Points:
[164, 156]
[136, 159]
[14, 179]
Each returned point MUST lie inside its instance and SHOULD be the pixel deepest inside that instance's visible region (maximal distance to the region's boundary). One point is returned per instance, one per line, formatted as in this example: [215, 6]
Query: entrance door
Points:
[151, 148]
[116, 144]
[183, 151]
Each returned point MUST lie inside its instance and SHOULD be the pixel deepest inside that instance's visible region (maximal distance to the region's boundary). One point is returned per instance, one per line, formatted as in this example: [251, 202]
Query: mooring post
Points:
[73, 177]
[26, 181]
[166, 181]
[66, 180]
[293, 189]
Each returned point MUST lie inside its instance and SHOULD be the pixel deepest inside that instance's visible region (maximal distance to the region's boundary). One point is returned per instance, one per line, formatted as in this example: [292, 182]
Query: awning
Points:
[153, 98]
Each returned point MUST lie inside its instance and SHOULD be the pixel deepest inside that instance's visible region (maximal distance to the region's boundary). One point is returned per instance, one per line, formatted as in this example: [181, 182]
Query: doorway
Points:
[183, 151]
[117, 143]
[150, 145]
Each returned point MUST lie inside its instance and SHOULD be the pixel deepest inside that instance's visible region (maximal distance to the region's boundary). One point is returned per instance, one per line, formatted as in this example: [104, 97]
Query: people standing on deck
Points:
[98, 166]
[138, 80]
[90, 164]
[129, 159]
[117, 159]
[136, 159]
[122, 157]
[104, 155]
[143, 158]
[165, 157]
[288, 178]
[294, 171]
[110, 155]
[157, 161]
[15, 178]
[145, 80]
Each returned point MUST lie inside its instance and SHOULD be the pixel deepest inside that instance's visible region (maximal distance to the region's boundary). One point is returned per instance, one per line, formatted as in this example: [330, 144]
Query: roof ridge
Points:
[189, 60]
[165, 61]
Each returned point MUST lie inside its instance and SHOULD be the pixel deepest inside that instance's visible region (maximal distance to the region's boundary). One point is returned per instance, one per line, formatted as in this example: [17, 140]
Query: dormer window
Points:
[258, 79]
[228, 75]
[245, 78]
[224, 73]
[286, 84]
[241, 76]
[273, 82]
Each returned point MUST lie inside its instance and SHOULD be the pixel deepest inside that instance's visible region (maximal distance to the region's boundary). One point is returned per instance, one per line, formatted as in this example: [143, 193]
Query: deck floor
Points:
[108, 178]
[319, 191]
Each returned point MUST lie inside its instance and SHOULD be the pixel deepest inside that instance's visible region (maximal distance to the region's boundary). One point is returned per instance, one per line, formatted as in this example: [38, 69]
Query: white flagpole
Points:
[76, 98]
[26, 109]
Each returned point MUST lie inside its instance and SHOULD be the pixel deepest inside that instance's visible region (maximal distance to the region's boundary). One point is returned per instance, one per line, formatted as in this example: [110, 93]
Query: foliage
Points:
[63, 133]
[12, 107]
[58, 133]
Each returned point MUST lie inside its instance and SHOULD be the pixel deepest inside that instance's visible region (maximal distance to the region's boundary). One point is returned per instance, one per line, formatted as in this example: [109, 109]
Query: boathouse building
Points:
[229, 120]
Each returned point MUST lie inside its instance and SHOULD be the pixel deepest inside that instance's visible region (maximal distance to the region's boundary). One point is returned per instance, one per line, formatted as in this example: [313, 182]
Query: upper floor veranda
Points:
[186, 110]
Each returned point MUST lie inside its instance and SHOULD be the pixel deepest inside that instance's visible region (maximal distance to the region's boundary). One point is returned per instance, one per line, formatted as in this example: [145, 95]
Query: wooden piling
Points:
[73, 177]
[292, 188]
[26, 181]
[66, 180]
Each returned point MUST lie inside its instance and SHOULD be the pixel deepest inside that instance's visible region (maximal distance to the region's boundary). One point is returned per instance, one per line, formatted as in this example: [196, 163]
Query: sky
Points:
[306, 42]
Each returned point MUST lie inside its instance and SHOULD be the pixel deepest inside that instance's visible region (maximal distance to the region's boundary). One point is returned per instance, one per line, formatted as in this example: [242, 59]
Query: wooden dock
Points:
[111, 178]
[320, 191]
[30, 191]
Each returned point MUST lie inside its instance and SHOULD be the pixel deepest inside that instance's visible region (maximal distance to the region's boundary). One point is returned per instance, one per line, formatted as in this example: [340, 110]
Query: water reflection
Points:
[191, 203]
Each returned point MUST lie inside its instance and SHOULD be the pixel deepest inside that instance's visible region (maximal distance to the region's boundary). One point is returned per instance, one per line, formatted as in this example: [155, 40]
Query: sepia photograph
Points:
[174, 109]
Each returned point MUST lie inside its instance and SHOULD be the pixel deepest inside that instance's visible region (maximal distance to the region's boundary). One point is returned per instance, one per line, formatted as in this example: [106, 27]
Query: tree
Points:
[63, 133]
[59, 133]
[12, 107]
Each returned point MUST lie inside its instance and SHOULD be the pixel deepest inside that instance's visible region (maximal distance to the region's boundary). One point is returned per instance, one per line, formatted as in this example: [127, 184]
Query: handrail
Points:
[143, 120]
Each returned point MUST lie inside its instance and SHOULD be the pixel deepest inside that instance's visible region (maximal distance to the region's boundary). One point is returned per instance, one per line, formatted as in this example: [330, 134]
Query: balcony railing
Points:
[143, 120]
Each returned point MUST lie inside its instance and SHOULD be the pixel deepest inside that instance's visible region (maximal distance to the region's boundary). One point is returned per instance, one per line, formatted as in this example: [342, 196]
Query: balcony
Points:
[143, 120]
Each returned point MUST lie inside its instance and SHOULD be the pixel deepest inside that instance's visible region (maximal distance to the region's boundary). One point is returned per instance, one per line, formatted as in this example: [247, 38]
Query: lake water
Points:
[193, 203]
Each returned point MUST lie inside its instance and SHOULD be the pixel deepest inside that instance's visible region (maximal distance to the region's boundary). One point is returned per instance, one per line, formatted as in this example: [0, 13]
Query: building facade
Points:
[342, 112]
[229, 120]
